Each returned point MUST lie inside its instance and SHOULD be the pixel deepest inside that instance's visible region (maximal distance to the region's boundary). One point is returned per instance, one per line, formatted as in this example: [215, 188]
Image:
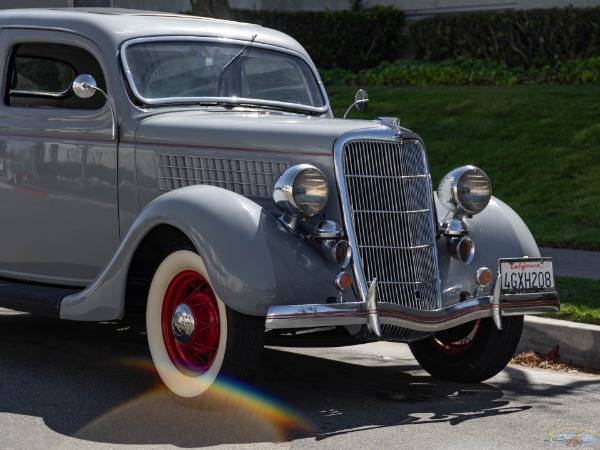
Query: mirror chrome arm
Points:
[361, 101]
[85, 86]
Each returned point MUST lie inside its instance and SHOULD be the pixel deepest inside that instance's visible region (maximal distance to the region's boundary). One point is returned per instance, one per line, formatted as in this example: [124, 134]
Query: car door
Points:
[58, 161]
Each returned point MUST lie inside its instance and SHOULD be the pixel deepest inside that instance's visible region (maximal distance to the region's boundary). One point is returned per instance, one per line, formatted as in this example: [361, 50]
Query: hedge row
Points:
[357, 39]
[467, 71]
[524, 38]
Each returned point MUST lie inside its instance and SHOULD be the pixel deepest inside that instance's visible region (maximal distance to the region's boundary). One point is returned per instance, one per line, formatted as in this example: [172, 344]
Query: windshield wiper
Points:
[238, 54]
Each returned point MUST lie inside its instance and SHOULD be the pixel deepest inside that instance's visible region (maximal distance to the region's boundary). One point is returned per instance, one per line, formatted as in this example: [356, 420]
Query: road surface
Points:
[68, 385]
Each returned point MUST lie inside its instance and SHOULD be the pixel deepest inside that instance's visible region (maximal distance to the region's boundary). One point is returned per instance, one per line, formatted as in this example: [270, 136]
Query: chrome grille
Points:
[389, 200]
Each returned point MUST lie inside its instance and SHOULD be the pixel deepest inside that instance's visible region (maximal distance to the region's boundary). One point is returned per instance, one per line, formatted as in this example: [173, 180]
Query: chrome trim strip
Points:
[188, 100]
[39, 93]
[359, 313]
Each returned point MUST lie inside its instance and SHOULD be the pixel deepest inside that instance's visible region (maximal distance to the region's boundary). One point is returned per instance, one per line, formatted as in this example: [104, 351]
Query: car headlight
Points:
[465, 190]
[301, 190]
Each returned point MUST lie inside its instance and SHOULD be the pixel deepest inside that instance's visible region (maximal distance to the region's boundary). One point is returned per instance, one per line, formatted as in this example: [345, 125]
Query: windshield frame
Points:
[234, 101]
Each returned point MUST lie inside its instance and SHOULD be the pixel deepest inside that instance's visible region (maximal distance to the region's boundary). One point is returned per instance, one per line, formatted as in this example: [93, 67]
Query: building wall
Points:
[415, 8]
[150, 5]
[412, 6]
[11, 4]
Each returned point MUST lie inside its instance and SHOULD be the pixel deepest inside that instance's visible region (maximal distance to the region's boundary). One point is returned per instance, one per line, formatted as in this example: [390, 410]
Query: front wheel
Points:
[469, 353]
[193, 336]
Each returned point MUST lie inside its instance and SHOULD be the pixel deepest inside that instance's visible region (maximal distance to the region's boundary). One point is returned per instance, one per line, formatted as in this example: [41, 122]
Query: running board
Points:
[33, 298]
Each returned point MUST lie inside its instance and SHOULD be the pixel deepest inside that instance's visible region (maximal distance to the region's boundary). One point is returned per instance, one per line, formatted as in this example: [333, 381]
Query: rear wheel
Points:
[194, 338]
[469, 353]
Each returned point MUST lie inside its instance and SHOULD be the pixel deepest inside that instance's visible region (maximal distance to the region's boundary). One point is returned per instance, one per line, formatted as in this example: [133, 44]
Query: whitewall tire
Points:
[187, 325]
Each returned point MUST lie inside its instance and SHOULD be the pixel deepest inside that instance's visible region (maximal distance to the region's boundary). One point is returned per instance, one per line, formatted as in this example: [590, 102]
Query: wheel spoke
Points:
[459, 345]
[191, 289]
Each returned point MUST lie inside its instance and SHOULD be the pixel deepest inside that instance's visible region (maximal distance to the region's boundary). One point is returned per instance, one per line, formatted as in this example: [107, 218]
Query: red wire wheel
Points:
[190, 323]
[457, 340]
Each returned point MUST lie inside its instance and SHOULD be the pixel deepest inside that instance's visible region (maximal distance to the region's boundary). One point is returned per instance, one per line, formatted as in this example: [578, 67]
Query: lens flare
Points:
[230, 412]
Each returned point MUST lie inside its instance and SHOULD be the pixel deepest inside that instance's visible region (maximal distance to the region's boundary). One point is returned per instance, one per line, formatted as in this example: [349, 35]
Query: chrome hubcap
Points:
[183, 324]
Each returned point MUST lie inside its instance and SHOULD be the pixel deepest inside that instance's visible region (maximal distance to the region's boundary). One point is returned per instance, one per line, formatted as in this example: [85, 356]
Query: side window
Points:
[42, 74]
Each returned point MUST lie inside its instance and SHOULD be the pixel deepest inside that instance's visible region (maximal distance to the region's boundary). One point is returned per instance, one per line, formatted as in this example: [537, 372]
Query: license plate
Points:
[526, 276]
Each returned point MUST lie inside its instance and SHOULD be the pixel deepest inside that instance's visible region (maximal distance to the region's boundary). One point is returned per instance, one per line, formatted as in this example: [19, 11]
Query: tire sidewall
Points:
[178, 382]
[489, 354]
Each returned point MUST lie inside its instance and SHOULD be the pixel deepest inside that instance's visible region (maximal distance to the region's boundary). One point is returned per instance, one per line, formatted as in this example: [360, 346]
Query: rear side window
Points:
[42, 74]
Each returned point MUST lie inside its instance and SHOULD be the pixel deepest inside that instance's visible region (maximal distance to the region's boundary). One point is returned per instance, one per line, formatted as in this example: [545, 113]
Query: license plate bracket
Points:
[523, 276]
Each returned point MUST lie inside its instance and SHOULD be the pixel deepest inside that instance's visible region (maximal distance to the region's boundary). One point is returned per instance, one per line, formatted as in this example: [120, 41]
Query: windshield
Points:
[200, 71]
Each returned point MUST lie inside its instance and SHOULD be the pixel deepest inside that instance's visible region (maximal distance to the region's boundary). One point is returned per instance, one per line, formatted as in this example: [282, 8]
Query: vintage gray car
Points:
[190, 171]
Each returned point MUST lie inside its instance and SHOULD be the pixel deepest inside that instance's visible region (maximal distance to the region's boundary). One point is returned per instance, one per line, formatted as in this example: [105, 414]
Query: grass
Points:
[579, 300]
[540, 145]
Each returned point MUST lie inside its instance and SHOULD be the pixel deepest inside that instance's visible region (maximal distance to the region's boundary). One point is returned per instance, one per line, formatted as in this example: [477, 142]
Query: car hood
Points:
[247, 131]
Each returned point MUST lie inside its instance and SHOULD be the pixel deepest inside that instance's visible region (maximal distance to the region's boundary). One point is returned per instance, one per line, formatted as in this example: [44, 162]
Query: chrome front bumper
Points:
[373, 313]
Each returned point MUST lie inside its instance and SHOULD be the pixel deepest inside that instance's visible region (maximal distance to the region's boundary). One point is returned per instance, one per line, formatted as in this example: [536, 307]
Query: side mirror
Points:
[361, 101]
[85, 86]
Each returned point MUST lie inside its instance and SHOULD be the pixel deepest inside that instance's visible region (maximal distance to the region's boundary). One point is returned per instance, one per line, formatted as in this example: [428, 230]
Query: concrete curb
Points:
[578, 343]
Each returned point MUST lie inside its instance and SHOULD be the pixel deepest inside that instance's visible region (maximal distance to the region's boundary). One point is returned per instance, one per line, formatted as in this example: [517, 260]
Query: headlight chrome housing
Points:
[301, 191]
[465, 190]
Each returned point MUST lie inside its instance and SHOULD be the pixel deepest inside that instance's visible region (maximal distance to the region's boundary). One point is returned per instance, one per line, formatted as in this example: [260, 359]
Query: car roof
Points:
[119, 25]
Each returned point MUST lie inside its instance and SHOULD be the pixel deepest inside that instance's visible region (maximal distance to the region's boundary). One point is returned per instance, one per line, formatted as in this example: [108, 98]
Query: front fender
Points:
[253, 262]
[497, 232]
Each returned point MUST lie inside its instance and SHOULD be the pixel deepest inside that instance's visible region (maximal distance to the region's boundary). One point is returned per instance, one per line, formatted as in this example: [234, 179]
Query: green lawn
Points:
[579, 300]
[540, 145]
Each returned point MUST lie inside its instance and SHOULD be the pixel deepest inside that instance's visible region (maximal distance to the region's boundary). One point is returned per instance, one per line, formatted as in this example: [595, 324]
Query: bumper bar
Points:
[374, 313]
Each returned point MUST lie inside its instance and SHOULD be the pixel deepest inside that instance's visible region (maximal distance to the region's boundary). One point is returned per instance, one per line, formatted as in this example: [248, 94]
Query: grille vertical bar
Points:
[389, 198]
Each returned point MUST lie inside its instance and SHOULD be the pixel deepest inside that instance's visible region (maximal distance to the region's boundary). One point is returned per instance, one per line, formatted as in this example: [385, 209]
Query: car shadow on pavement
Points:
[95, 382]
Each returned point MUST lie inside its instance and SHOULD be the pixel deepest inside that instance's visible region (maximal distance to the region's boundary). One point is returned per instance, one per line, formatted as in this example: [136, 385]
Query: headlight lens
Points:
[466, 190]
[301, 190]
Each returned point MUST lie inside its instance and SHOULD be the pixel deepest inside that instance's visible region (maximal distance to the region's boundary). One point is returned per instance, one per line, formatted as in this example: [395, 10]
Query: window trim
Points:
[220, 100]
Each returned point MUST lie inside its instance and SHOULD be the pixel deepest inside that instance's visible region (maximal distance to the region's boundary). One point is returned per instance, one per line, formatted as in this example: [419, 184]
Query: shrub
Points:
[526, 38]
[467, 71]
[357, 39]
